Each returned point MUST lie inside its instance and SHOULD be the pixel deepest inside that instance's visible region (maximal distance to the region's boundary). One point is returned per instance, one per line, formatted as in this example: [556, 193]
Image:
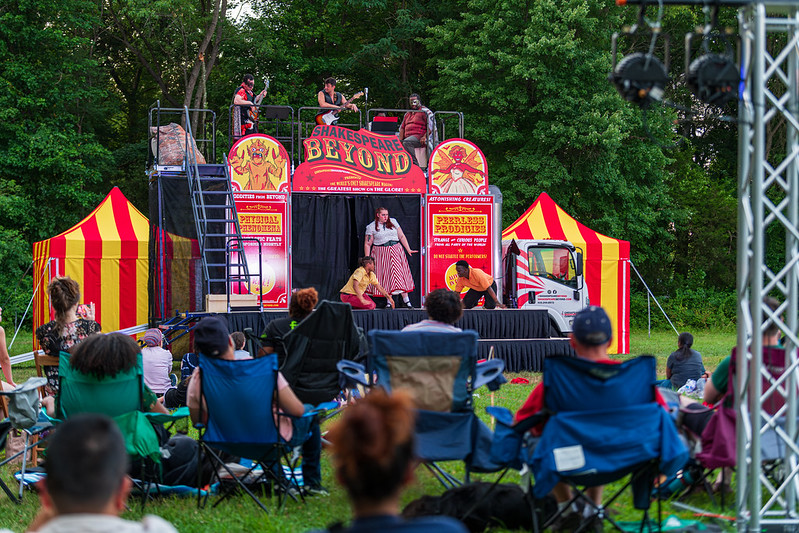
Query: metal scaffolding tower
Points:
[768, 205]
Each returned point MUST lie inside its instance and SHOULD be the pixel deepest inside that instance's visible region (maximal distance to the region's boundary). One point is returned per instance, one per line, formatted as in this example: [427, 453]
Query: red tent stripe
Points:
[93, 246]
[552, 214]
[129, 248]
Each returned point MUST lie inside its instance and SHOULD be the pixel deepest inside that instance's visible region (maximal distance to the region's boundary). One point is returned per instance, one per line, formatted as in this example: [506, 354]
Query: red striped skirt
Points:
[392, 270]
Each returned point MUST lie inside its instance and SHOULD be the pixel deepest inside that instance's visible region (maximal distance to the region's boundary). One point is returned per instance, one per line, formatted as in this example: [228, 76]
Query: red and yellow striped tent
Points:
[106, 253]
[607, 260]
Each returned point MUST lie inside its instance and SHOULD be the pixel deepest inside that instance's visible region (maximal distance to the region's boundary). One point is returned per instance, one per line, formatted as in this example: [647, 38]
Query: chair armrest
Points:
[504, 417]
[321, 408]
[353, 371]
[161, 418]
[489, 373]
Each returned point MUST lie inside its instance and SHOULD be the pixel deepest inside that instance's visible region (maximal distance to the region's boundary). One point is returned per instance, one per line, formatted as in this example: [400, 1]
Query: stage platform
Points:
[520, 337]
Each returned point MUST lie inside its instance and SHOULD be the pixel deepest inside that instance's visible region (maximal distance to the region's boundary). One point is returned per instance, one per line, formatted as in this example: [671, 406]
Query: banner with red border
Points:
[259, 163]
[264, 217]
[340, 160]
[458, 227]
[458, 166]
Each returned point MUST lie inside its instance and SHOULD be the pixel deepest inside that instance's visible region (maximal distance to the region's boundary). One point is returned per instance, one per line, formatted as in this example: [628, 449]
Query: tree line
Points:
[77, 78]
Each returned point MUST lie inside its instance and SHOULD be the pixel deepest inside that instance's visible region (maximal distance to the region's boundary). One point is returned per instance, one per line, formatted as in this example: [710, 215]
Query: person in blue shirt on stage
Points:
[373, 457]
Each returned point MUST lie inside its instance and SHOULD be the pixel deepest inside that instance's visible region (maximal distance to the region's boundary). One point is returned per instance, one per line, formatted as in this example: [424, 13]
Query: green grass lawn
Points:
[240, 514]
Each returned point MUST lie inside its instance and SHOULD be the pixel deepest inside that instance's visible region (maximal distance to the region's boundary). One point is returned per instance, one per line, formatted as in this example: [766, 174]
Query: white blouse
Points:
[384, 235]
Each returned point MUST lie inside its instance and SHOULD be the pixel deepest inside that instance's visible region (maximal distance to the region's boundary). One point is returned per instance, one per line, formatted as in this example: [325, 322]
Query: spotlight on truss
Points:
[713, 78]
[640, 78]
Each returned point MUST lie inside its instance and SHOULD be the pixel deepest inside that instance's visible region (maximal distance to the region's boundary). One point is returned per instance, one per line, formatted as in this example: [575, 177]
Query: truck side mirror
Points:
[578, 268]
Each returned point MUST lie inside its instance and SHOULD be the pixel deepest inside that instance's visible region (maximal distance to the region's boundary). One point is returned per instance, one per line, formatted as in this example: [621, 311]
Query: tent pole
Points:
[35, 290]
[649, 293]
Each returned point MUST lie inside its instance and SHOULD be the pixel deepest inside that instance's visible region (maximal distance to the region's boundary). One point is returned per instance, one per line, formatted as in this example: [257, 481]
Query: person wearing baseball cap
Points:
[212, 339]
[590, 337]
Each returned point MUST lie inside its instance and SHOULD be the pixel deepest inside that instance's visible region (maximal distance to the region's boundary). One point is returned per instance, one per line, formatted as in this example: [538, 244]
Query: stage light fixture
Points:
[640, 78]
[713, 78]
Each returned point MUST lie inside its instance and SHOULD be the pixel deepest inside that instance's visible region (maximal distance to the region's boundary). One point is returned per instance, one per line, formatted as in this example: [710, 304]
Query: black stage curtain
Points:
[407, 210]
[323, 243]
[328, 235]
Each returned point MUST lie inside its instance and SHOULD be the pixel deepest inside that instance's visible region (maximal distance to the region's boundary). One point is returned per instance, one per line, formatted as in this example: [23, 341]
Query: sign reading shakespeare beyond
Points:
[342, 160]
[458, 227]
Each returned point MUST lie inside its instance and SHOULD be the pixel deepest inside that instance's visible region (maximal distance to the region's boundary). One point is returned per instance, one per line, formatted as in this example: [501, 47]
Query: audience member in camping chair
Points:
[313, 349]
[440, 370]
[591, 336]
[212, 340]
[86, 487]
[104, 375]
[373, 456]
[444, 307]
[105, 356]
[301, 305]
[718, 451]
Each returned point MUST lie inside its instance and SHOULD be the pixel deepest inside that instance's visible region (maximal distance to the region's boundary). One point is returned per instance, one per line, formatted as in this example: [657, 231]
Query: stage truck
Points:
[545, 274]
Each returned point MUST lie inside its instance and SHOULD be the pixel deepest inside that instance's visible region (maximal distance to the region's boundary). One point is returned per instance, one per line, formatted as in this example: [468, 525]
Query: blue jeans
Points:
[306, 433]
[665, 383]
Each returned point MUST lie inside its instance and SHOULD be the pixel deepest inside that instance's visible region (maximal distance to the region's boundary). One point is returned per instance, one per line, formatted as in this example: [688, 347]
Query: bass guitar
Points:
[326, 118]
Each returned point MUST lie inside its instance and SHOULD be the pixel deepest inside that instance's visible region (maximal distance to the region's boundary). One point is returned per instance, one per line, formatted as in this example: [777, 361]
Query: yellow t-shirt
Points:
[362, 279]
[477, 280]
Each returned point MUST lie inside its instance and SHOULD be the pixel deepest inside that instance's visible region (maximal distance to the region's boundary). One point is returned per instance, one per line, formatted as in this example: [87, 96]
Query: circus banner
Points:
[458, 227]
[458, 166]
[263, 219]
[259, 163]
[341, 160]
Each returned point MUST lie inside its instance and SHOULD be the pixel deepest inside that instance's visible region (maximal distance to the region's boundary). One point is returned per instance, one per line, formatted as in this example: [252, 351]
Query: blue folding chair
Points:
[603, 425]
[23, 415]
[239, 396]
[440, 371]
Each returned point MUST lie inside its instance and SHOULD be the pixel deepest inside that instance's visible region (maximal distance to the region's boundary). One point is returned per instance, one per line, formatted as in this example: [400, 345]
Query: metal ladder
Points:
[216, 220]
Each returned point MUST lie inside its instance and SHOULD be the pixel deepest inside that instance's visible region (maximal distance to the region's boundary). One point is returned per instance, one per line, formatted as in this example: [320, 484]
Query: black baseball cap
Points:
[211, 337]
[592, 326]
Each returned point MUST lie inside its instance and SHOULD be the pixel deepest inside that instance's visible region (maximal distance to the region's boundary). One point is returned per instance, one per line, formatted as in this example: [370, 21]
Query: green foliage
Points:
[541, 109]
[50, 159]
[687, 309]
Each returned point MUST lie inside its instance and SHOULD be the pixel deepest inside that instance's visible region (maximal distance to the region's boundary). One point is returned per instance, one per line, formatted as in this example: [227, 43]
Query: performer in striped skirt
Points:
[386, 242]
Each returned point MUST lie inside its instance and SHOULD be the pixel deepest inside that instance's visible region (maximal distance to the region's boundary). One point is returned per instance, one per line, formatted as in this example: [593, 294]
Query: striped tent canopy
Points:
[607, 260]
[106, 253]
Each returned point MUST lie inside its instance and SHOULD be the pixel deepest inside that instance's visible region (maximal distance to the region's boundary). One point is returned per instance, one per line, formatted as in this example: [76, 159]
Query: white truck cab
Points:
[546, 274]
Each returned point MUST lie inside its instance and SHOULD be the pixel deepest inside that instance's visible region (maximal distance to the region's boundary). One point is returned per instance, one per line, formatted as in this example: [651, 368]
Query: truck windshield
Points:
[553, 263]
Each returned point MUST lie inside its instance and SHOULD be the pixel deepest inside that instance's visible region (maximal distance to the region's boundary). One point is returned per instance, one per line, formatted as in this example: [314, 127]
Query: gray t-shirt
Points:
[682, 370]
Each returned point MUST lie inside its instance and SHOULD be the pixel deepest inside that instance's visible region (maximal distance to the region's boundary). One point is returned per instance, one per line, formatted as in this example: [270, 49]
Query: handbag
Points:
[718, 437]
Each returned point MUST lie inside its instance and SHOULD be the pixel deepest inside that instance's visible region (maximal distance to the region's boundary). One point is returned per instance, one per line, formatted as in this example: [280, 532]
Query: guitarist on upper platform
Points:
[329, 98]
[245, 116]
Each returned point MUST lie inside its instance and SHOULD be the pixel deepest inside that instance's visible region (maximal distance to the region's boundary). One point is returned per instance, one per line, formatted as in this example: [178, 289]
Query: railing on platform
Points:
[307, 122]
[204, 122]
[273, 120]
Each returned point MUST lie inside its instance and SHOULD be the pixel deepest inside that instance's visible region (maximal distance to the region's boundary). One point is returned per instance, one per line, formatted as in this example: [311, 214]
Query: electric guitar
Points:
[326, 118]
[253, 110]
